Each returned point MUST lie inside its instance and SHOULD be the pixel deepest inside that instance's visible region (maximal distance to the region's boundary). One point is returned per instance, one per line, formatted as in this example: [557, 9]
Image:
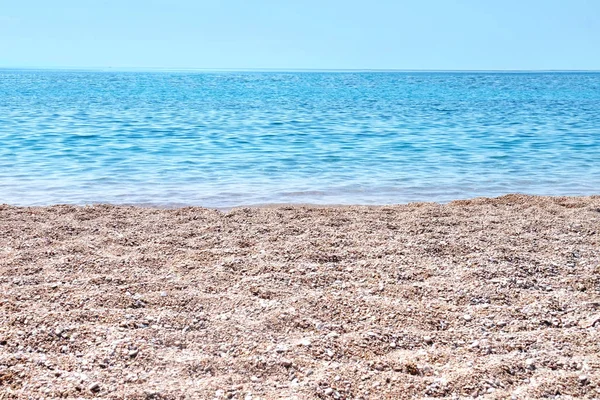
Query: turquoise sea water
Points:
[238, 138]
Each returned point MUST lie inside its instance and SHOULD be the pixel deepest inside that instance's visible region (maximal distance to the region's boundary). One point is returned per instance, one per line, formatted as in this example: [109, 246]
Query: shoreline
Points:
[479, 199]
[494, 297]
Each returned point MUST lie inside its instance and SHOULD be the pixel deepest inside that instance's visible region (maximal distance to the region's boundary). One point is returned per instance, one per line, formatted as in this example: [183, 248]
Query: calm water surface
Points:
[238, 138]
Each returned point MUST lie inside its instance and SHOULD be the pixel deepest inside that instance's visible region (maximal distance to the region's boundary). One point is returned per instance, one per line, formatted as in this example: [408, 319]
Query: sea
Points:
[239, 138]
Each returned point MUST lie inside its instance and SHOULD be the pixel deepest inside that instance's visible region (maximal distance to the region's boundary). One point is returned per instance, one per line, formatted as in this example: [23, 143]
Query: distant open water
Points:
[239, 138]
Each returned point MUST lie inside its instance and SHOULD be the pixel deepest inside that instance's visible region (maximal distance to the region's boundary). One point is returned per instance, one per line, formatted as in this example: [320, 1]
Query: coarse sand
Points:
[495, 298]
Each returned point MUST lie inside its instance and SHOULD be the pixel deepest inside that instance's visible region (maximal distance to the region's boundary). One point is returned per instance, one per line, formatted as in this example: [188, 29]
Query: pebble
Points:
[427, 339]
[133, 353]
[590, 322]
[304, 342]
[286, 363]
[583, 378]
[328, 391]
[530, 363]
[94, 387]
[467, 317]
[281, 348]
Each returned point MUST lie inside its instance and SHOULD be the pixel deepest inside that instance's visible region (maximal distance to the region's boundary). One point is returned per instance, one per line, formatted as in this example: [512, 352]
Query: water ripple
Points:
[226, 139]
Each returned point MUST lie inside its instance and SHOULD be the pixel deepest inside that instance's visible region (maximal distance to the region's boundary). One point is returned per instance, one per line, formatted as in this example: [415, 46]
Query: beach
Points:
[497, 298]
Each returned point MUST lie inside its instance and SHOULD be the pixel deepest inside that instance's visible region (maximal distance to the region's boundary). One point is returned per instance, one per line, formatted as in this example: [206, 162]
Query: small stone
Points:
[427, 339]
[583, 378]
[530, 363]
[467, 317]
[328, 392]
[133, 353]
[590, 322]
[219, 393]
[393, 345]
[254, 378]
[163, 294]
[491, 390]
[281, 348]
[286, 363]
[304, 342]
[94, 387]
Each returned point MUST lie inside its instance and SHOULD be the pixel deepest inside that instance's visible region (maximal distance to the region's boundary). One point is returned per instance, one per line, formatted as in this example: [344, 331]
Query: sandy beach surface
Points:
[496, 298]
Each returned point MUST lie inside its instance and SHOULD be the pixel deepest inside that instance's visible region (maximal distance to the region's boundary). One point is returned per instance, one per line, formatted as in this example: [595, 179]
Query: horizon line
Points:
[190, 69]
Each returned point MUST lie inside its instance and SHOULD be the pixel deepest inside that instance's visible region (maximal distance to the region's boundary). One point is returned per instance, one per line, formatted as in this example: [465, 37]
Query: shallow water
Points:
[237, 138]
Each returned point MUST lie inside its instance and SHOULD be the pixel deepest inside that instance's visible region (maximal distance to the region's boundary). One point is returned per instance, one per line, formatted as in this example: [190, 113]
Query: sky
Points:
[301, 34]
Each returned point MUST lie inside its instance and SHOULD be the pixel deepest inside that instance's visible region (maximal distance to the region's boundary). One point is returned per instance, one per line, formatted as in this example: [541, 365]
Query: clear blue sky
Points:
[288, 34]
